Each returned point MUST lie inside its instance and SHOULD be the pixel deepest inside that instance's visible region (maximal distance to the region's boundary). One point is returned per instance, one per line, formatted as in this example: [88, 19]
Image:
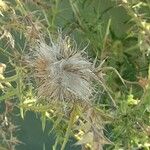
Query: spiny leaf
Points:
[56, 123]
[9, 94]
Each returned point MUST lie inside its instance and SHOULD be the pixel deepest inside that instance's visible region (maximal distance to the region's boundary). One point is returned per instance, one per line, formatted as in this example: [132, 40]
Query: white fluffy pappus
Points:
[60, 71]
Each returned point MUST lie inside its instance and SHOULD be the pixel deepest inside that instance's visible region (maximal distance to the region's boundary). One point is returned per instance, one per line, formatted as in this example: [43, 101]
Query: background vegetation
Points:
[116, 34]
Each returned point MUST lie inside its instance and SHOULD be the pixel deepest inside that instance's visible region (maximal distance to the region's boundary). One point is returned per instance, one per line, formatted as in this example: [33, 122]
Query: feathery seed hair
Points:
[61, 72]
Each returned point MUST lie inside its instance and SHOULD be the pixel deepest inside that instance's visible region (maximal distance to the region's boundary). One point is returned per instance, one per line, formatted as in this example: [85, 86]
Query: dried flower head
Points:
[63, 74]
[60, 71]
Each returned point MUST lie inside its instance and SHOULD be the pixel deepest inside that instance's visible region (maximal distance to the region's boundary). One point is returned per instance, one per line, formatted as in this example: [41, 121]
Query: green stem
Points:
[71, 122]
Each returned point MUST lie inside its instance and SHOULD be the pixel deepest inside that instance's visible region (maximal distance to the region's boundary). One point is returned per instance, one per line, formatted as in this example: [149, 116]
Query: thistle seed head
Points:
[60, 71]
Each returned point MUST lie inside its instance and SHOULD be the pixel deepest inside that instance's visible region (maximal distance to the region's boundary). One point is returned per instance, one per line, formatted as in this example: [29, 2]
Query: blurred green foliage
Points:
[115, 31]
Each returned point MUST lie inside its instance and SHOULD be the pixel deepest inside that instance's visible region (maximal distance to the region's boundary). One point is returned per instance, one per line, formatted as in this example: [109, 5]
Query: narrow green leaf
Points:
[22, 113]
[43, 119]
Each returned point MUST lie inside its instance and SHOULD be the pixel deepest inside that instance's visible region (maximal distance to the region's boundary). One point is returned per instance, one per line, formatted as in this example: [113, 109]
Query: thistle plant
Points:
[74, 88]
[64, 76]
